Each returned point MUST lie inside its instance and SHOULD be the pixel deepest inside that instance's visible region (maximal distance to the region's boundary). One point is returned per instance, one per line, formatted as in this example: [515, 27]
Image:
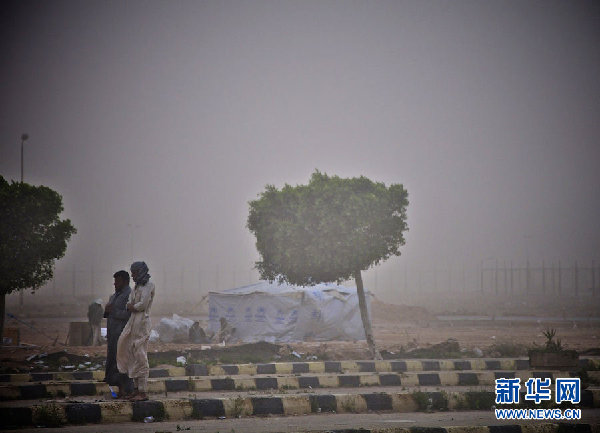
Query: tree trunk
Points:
[2, 313]
[364, 315]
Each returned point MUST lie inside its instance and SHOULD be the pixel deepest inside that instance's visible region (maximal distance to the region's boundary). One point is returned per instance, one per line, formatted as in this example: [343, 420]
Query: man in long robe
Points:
[132, 348]
[117, 316]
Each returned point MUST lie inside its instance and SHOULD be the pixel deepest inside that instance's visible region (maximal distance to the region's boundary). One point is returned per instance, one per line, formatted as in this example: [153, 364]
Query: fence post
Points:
[553, 280]
[481, 277]
[505, 279]
[496, 278]
[512, 271]
[593, 278]
[559, 278]
[527, 276]
[543, 277]
[576, 279]
[74, 277]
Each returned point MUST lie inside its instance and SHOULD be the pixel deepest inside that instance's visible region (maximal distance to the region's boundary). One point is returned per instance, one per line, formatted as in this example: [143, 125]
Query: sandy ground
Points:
[313, 423]
[395, 328]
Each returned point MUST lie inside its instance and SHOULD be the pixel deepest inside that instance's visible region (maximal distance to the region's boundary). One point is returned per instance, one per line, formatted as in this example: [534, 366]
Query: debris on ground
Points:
[176, 329]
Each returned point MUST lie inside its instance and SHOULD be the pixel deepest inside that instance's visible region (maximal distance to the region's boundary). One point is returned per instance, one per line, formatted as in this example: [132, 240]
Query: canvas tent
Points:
[283, 313]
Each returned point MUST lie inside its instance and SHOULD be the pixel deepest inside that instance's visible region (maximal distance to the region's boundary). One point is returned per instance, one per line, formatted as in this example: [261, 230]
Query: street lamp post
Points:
[23, 138]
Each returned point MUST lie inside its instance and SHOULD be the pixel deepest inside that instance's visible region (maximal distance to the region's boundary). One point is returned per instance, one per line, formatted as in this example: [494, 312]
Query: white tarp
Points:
[282, 313]
[174, 330]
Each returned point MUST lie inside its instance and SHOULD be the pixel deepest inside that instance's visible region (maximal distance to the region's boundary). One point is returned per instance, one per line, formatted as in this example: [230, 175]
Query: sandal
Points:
[133, 395]
[140, 397]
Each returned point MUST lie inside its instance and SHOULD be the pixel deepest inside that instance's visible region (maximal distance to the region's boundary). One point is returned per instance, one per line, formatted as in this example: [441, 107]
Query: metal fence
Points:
[400, 284]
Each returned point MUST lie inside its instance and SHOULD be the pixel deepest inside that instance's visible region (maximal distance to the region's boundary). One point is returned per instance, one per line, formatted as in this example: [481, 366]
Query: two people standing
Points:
[131, 355]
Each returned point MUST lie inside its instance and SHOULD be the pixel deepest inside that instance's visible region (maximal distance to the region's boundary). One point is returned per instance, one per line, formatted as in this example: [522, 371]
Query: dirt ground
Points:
[399, 331]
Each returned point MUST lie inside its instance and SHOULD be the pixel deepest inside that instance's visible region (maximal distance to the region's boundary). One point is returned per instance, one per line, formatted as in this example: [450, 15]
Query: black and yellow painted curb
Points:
[390, 366]
[249, 405]
[29, 391]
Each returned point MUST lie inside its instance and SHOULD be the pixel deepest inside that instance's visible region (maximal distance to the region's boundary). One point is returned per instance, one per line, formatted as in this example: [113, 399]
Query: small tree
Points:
[32, 237]
[329, 230]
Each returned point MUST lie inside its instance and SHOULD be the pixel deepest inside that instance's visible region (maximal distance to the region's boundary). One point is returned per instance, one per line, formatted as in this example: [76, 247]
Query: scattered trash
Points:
[222, 417]
[478, 352]
[30, 357]
[103, 332]
[149, 419]
[312, 358]
[204, 347]
[68, 367]
[81, 366]
[88, 363]
[296, 354]
[112, 392]
[285, 350]
[154, 337]
[174, 330]
[181, 360]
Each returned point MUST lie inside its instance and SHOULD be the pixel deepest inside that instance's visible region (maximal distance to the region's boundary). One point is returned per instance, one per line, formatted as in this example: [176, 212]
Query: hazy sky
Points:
[172, 115]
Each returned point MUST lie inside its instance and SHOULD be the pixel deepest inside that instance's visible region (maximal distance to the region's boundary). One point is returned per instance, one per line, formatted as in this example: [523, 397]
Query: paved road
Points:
[309, 423]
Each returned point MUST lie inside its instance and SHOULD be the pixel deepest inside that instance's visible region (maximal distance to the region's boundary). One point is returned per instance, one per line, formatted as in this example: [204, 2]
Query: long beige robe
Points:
[132, 347]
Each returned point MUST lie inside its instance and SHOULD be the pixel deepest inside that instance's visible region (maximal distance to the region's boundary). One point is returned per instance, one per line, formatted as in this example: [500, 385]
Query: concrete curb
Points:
[27, 391]
[392, 366]
[234, 407]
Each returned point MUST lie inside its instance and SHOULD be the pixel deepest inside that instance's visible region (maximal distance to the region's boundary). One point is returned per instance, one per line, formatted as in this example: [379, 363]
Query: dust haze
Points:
[159, 121]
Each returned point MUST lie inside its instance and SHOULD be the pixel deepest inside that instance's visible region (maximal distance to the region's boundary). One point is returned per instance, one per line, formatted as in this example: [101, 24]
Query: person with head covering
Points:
[95, 312]
[226, 333]
[132, 347]
[116, 315]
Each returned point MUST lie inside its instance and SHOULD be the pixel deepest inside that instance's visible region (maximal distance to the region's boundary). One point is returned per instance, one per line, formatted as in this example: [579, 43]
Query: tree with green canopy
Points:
[328, 231]
[32, 237]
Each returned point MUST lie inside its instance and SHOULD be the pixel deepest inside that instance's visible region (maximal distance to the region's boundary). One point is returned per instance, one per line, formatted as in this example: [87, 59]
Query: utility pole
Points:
[23, 138]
